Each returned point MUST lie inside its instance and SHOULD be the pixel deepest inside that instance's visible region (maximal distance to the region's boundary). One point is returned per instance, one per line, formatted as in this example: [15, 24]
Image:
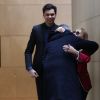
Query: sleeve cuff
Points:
[78, 54]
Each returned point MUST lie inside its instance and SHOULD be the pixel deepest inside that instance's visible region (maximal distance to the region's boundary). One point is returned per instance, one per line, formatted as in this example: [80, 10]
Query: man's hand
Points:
[60, 29]
[33, 73]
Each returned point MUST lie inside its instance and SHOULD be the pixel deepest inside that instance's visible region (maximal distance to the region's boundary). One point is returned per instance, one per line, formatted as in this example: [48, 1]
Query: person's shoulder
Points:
[65, 26]
[37, 26]
[68, 32]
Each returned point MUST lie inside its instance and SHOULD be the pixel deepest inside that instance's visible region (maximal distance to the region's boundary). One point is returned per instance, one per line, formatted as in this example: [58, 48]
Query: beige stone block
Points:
[96, 7]
[20, 19]
[25, 84]
[94, 72]
[34, 1]
[64, 14]
[97, 81]
[58, 1]
[12, 50]
[16, 84]
[16, 98]
[2, 19]
[86, 10]
[75, 13]
[82, 10]
[2, 2]
[94, 69]
[96, 56]
[7, 83]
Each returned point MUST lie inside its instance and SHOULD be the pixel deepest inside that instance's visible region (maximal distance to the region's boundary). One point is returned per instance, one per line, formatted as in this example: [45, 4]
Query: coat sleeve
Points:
[84, 57]
[29, 50]
[89, 46]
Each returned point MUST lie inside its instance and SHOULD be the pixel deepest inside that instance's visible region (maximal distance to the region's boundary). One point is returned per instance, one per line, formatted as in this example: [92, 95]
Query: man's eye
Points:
[49, 14]
[52, 14]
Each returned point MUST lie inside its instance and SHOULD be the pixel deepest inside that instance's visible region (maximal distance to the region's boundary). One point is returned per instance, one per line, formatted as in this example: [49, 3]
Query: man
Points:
[38, 37]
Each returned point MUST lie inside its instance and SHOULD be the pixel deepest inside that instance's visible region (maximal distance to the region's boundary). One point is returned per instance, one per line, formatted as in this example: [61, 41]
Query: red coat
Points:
[84, 77]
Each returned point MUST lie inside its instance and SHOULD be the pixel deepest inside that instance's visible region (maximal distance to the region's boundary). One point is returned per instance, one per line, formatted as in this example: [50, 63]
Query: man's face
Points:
[49, 16]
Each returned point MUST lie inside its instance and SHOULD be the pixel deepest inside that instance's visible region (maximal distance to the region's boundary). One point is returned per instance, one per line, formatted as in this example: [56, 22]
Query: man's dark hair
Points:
[49, 7]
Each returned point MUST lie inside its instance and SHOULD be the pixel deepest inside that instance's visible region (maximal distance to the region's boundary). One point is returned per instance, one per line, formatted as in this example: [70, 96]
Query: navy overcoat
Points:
[61, 79]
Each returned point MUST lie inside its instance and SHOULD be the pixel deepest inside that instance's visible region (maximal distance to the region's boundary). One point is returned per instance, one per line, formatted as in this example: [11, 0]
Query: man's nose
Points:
[50, 16]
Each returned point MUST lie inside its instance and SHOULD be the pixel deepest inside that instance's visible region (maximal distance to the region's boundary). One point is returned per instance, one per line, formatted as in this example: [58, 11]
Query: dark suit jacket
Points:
[37, 39]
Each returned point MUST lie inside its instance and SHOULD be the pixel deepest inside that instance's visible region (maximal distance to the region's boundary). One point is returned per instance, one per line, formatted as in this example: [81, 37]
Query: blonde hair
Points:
[85, 34]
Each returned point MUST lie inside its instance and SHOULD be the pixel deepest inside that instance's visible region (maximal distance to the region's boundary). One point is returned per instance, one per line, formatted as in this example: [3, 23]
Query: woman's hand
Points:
[60, 29]
[70, 49]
